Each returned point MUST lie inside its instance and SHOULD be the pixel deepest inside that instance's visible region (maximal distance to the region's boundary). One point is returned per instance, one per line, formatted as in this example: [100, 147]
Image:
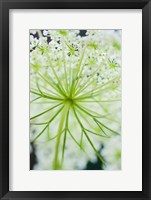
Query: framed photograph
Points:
[75, 99]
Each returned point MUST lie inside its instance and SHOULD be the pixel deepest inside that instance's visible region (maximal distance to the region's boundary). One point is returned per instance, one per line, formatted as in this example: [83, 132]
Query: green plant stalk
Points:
[65, 135]
[56, 164]
[48, 124]
[97, 89]
[53, 85]
[74, 83]
[65, 70]
[89, 140]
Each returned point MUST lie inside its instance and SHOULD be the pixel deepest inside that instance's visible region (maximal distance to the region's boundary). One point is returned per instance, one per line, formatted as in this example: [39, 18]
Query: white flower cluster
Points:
[112, 153]
[75, 83]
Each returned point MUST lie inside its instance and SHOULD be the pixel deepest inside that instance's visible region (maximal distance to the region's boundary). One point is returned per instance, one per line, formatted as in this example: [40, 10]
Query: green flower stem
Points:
[65, 134]
[98, 122]
[46, 102]
[44, 96]
[87, 111]
[55, 74]
[77, 142]
[49, 139]
[53, 85]
[79, 72]
[85, 101]
[89, 140]
[98, 134]
[48, 90]
[86, 83]
[45, 111]
[56, 164]
[34, 99]
[65, 70]
[47, 94]
[48, 124]
[97, 90]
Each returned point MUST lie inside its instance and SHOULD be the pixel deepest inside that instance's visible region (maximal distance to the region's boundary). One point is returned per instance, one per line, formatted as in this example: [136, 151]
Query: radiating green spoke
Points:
[54, 137]
[47, 102]
[34, 100]
[65, 136]
[53, 85]
[76, 141]
[87, 83]
[41, 123]
[88, 138]
[81, 112]
[92, 145]
[104, 101]
[42, 113]
[40, 133]
[88, 111]
[102, 124]
[79, 71]
[98, 122]
[95, 91]
[97, 133]
[48, 124]
[65, 70]
[50, 91]
[47, 96]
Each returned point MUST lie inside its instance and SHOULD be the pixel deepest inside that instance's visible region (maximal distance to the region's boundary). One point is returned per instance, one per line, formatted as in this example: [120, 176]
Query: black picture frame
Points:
[5, 5]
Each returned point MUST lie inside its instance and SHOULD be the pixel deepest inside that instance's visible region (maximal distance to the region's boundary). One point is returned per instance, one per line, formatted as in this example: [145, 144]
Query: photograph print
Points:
[75, 99]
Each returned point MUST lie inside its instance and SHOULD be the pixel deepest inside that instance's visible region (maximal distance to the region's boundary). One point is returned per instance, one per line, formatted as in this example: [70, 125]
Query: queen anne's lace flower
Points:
[75, 100]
